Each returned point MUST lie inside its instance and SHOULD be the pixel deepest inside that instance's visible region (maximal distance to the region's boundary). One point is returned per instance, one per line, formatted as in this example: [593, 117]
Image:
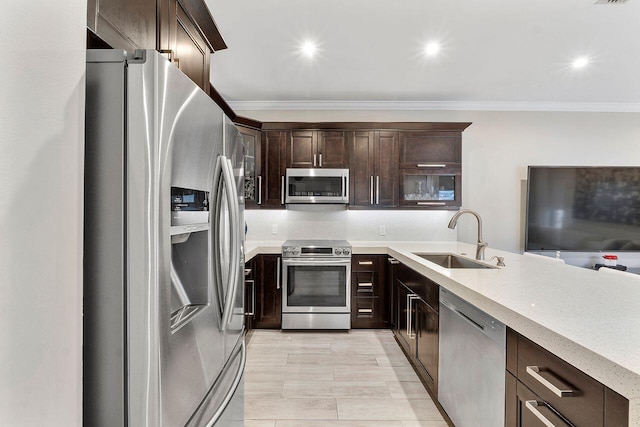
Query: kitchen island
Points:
[589, 319]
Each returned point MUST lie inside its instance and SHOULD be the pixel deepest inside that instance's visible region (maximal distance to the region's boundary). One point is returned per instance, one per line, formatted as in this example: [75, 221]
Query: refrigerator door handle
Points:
[234, 213]
[234, 386]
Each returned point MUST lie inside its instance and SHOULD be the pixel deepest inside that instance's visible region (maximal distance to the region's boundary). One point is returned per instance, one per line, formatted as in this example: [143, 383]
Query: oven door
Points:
[316, 285]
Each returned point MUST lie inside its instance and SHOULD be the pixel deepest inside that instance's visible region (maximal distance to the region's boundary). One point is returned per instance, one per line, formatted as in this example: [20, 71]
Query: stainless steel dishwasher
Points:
[471, 364]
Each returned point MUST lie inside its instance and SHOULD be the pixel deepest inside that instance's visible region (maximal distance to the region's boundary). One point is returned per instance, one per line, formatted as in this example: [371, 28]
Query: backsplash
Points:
[331, 222]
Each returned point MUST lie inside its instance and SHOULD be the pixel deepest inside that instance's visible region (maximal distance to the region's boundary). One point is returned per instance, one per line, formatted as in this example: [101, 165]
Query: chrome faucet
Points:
[481, 243]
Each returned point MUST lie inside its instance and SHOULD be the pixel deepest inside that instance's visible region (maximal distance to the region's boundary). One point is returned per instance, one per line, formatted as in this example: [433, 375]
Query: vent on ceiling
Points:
[611, 1]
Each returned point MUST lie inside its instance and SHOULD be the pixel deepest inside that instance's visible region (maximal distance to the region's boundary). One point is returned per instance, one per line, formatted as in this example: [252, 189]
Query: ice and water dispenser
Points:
[189, 254]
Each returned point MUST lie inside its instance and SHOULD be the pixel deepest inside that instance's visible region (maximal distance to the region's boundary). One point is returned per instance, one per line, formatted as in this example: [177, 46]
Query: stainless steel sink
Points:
[452, 261]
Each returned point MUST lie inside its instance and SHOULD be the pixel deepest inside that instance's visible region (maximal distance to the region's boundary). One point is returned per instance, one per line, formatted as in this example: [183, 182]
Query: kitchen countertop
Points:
[589, 319]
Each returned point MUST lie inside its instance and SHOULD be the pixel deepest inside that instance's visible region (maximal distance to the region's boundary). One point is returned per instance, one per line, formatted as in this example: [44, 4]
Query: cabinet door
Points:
[268, 314]
[426, 149]
[191, 53]
[250, 296]
[302, 149]
[124, 24]
[273, 169]
[431, 188]
[386, 162]
[332, 149]
[252, 167]
[406, 316]
[427, 333]
[361, 169]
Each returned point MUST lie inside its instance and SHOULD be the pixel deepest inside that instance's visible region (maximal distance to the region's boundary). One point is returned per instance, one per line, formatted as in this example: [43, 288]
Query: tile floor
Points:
[358, 378]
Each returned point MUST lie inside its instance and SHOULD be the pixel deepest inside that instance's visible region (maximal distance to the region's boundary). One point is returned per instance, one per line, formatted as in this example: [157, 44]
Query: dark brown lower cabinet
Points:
[369, 292]
[426, 337]
[543, 390]
[249, 295]
[268, 309]
[417, 322]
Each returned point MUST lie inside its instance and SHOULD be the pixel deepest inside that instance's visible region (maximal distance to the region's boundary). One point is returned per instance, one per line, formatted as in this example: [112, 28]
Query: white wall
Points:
[498, 147]
[41, 159]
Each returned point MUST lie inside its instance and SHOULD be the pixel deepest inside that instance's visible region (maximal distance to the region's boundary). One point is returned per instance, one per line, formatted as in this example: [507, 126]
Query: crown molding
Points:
[601, 107]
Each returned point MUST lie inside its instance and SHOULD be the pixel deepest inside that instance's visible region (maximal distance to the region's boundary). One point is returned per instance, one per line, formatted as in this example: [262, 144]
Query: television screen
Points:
[583, 209]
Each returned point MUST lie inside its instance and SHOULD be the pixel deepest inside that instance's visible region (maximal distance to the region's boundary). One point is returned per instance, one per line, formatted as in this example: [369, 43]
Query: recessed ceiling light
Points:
[309, 49]
[580, 62]
[432, 48]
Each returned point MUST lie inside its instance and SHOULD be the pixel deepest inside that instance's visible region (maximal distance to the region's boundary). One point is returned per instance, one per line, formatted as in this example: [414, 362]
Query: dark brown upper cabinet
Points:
[373, 169]
[273, 168]
[317, 149]
[430, 149]
[123, 24]
[187, 35]
[252, 167]
[183, 30]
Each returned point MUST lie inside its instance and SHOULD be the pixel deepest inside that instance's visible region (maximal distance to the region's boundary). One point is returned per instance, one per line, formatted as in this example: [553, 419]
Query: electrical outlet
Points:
[274, 229]
[383, 230]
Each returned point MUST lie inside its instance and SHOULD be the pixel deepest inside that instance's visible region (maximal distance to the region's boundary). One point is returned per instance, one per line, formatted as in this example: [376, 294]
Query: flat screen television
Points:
[583, 209]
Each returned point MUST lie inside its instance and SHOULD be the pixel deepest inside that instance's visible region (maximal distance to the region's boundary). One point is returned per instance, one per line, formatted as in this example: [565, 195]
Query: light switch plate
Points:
[274, 229]
[383, 230]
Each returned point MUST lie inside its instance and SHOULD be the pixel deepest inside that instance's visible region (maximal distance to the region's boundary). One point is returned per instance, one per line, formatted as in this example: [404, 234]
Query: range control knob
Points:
[296, 251]
[346, 251]
[338, 251]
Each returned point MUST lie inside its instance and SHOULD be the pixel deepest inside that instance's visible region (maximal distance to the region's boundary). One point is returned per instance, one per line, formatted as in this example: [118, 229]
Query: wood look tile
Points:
[423, 424]
[263, 388]
[259, 423]
[332, 359]
[290, 409]
[360, 389]
[388, 409]
[374, 373]
[407, 390]
[333, 423]
[359, 378]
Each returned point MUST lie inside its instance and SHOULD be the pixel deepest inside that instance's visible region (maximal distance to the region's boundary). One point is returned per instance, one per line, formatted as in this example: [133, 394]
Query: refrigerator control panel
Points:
[189, 206]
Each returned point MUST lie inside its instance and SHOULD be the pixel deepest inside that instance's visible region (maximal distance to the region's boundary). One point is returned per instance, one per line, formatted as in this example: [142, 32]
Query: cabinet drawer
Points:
[368, 312]
[364, 284]
[365, 263]
[571, 392]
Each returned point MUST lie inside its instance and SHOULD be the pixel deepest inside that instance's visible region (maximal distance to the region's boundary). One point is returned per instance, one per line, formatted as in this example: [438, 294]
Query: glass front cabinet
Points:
[431, 188]
[252, 167]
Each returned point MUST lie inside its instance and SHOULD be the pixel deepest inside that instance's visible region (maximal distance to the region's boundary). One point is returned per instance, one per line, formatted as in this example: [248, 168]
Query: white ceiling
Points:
[496, 54]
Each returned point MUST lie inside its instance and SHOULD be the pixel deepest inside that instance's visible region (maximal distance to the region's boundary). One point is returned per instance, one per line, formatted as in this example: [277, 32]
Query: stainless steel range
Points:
[317, 284]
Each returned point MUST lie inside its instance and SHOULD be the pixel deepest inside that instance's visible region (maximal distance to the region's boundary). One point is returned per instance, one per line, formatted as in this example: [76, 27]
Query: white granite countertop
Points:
[589, 319]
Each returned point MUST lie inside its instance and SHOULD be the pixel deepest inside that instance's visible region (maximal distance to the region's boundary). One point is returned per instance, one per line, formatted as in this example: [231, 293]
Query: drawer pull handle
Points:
[532, 406]
[564, 391]
[365, 285]
[365, 310]
[431, 165]
[365, 262]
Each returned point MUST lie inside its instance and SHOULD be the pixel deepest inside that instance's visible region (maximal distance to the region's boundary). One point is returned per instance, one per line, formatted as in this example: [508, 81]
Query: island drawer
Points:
[571, 392]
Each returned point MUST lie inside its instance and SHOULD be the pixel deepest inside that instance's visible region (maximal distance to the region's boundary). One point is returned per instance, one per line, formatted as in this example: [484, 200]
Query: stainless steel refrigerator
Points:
[163, 250]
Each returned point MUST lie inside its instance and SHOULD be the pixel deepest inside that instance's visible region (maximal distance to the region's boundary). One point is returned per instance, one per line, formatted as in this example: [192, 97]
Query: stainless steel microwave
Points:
[317, 186]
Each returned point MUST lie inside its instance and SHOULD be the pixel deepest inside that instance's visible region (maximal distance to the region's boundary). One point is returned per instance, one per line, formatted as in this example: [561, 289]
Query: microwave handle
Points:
[371, 189]
[282, 191]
